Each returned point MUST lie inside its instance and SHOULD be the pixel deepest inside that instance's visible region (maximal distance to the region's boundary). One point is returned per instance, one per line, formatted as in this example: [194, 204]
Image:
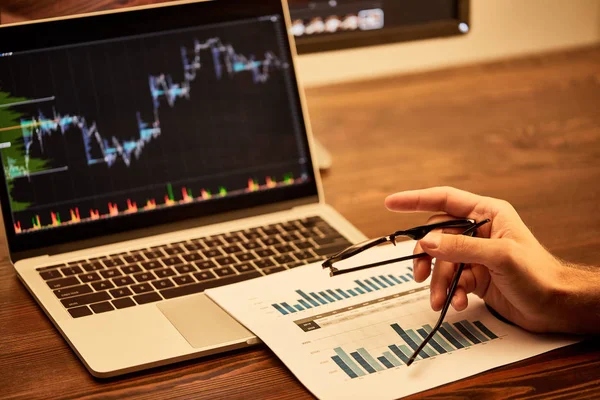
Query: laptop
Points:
[150, 154]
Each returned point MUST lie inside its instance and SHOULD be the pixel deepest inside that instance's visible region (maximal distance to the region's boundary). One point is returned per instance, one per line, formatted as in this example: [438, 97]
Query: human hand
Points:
[506, 266]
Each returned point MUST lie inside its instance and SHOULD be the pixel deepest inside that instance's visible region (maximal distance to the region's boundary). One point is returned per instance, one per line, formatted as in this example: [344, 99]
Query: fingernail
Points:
[432, 240]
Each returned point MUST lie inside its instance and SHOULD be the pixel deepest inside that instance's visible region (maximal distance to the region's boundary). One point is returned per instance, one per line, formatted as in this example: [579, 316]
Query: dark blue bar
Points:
[385, 362]
[411, 276]
[432, 341]
[408, 340]
[360, 291]
[450, 338]
[335, 296]
[386, 280]
[374, 286]
[466, 333]
[344, 367]
[311, 301]
[326, 297]
[340, 291]
[485, 330]
[305, 304]
[352, 292]
[320, 300]
[392, 277]
[288, 307]
[399, 353]
[377, 281]
[362, 285]
[363, 363]
[281, 310]
[405, 279]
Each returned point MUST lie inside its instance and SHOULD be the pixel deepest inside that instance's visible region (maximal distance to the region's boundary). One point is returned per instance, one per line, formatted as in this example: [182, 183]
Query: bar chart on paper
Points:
[344, 341]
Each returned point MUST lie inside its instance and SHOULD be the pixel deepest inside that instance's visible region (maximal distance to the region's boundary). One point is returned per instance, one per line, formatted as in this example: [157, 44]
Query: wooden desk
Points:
[527, 131]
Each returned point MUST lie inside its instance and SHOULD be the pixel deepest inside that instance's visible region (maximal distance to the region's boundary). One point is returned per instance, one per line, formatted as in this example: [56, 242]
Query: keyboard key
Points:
[102, 307]
[289, 227]
[110, 273]
[265, 253]
[245, 267]
[147, 298]
[153, 254]
[264, 263]
[162, 284]
[212, 253]
[202, 286]
[112, 262]
[53, 274]
[327, 240]
[225, 260]
[284, 248]
[212, 243]
[252, 245]
[272, 270]
[270, 241]
[233, 238]
[164, 273]
[73, 291]
[296, 264]
[284, 259]
[206, 264]
[144, 277]
[64, 282]
[192, 257]
[123, 281]
[183, 280]
[134, 258]
[142, 288]
[330, 250]
[131, 269]
[79, 312]
[91, 277]
[203, 276]
[49, 267]
[245, 257]
[303, 245]
[186, 269]
[171, 261]
[68, 271]
[232, 249]
[85, 299]
[290, 237]
[270, 231]
[121, 292]
[252, 235]
[102, 285]
[226, 271]
[93, 266]
[148, 265]
[193, 246]
[123, 303]
[303, 255]
[174, 250]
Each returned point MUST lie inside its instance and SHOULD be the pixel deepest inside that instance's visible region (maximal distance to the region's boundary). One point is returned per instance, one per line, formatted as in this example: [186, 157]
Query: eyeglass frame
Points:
[415, 233]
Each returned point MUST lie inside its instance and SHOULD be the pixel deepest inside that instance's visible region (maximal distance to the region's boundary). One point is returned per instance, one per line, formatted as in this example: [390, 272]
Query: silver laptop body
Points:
[154, 129]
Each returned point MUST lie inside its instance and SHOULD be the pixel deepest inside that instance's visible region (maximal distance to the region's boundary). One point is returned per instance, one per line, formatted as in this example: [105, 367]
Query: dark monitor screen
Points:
[321, 25]
[113, 129]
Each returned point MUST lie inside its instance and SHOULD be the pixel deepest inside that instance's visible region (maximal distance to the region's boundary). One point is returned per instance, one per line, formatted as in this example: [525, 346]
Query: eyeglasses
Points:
[469, 227]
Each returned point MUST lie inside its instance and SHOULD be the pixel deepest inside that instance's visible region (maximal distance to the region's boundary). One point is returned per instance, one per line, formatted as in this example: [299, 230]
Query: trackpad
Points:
[202, 323]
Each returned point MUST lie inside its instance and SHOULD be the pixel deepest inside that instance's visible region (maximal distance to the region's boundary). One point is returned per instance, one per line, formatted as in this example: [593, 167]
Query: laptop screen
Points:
[126, 120]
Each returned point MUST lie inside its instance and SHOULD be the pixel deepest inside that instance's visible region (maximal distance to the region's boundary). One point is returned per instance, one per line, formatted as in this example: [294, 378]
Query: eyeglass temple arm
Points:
[334, 271]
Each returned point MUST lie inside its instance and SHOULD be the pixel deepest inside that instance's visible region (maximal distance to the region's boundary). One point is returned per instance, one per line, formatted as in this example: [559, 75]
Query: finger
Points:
[437, 218]
[443, 272]
[460, 301]
[447, 199]
[471, 250]
[421, 266]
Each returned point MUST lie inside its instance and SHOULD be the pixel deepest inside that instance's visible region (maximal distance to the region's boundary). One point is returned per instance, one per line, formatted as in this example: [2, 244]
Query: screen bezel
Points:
[349, 40]
[130, 22]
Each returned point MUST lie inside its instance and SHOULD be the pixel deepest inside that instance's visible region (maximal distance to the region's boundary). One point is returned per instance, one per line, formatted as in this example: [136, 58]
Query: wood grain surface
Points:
[525, 130]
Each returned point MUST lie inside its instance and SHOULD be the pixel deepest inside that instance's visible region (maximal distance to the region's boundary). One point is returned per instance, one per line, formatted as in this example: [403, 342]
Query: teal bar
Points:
[417, 339]
[305, 304]
[329, 299]
[409, 352]
[349, 362]
[411, 276]
[360, 291]
[395, 362]
[307, 298]
[335, 296]
[456, 334]
[298, 307]
[377, 281]
[320, 300]
[280, 309]
[474, 331]
[362, 285]
[439, 339]
[340, 291]
[392, 277]
[288, 307]
[374, 286]
[352, 292]
[405, 279]
[386, 280]
[365, 354]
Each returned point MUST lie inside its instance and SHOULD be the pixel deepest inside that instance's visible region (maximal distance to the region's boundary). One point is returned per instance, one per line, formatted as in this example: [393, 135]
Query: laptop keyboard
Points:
[92, 286]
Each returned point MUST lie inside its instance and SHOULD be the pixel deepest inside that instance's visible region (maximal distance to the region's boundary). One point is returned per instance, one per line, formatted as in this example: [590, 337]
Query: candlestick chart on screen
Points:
[113, 128]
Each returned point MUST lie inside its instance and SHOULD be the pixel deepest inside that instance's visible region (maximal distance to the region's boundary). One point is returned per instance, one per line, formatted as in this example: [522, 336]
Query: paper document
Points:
[350, 336]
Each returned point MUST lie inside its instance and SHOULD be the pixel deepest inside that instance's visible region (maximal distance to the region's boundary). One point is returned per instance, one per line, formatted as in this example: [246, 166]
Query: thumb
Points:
[466, 249]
